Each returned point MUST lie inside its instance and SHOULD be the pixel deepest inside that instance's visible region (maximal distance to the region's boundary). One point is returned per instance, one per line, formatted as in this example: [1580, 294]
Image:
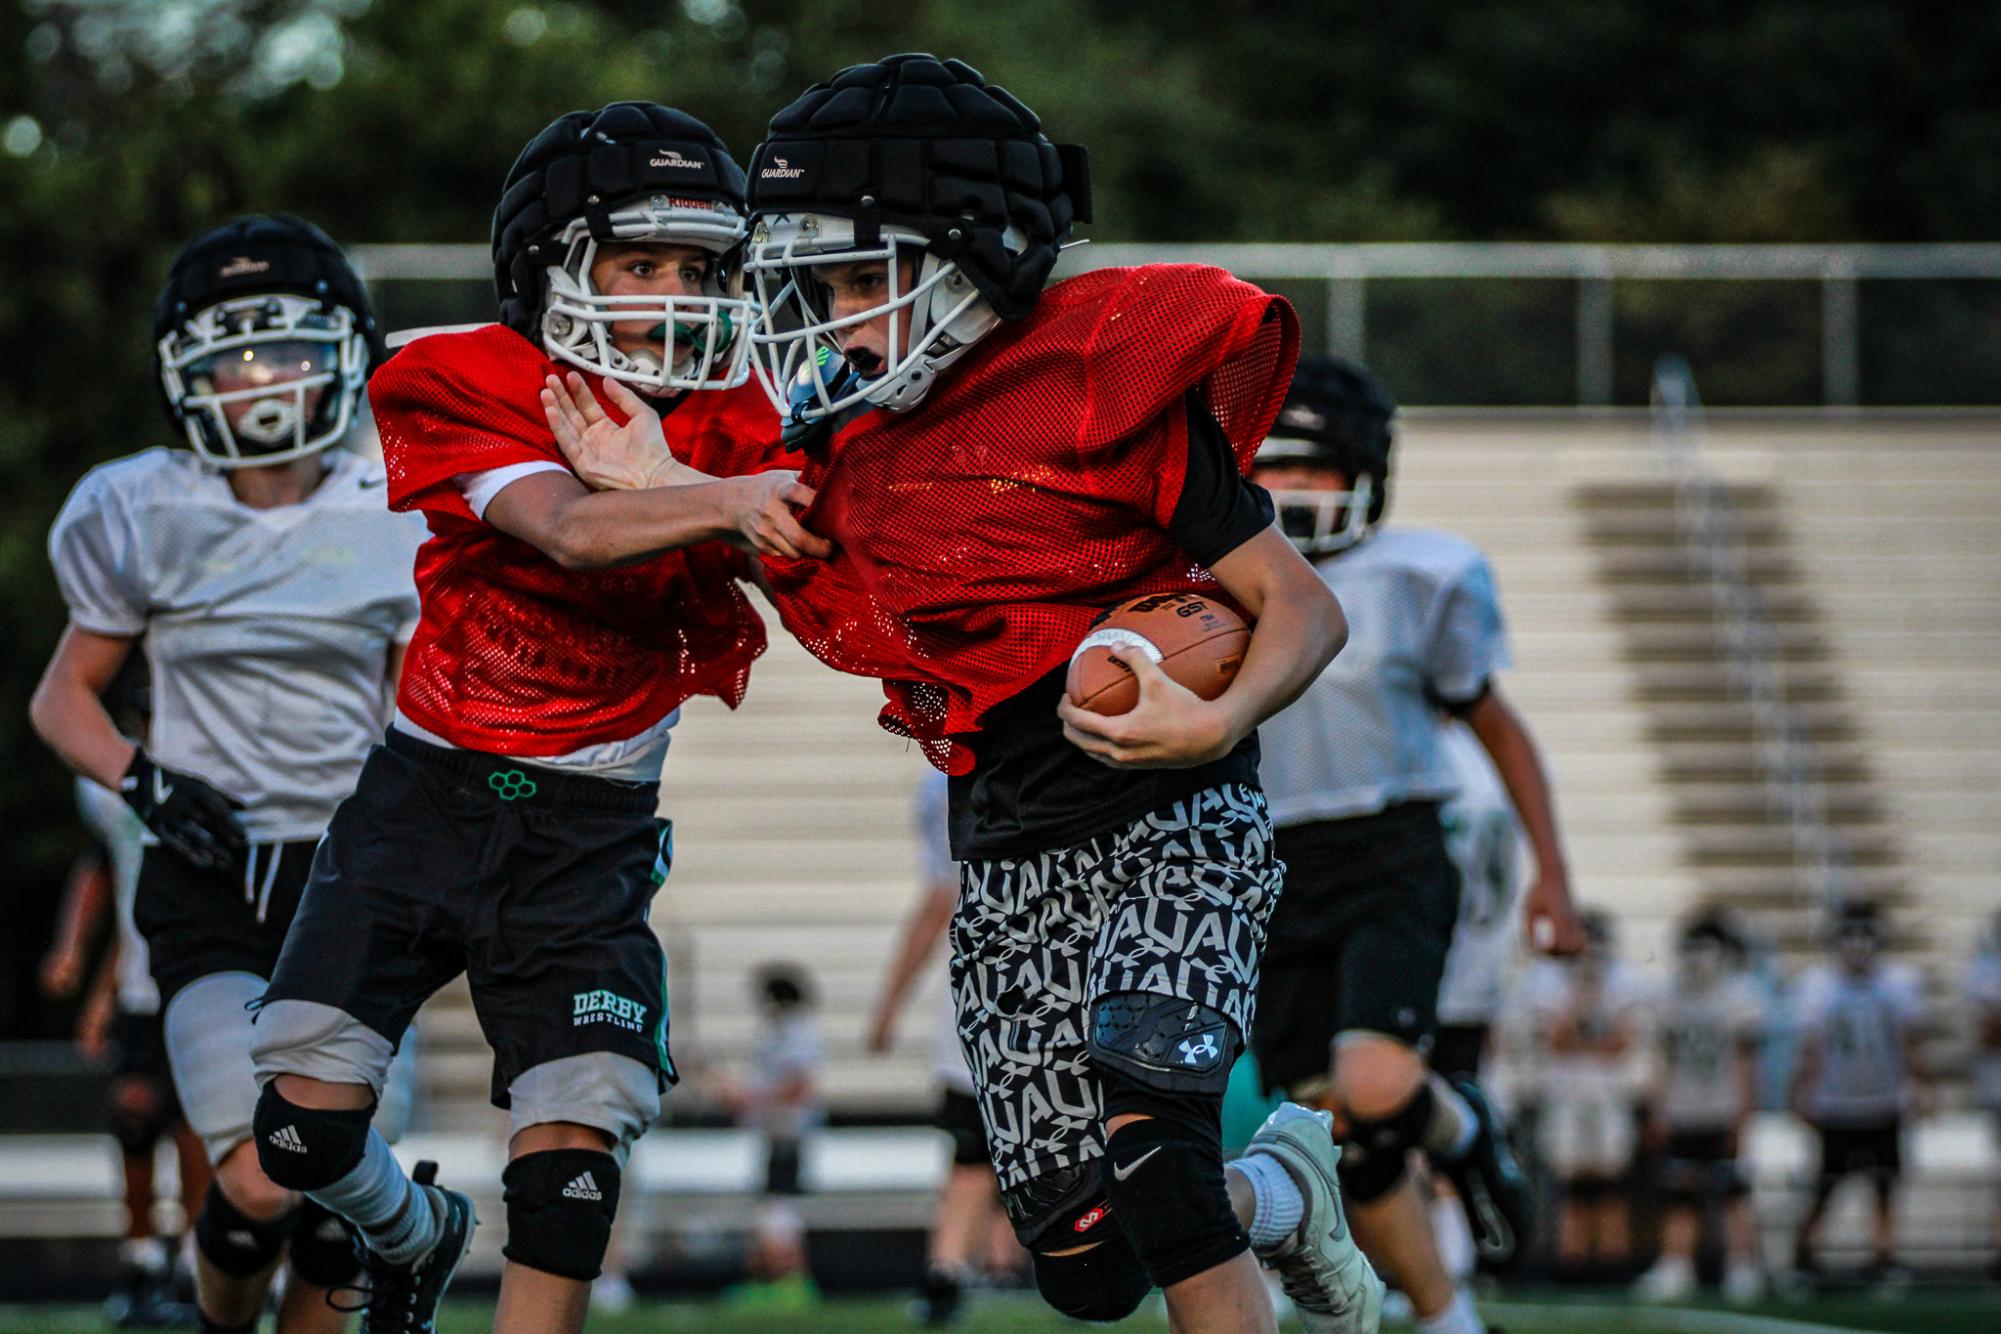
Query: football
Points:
[1197, 641]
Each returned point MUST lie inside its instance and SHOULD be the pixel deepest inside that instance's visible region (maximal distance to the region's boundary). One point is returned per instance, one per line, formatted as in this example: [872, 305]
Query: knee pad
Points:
[1059, 1209]
[307, 1148]
[1165, 1184]
[1105, 1283]
[235, 1243]
[323, 1251]
[560, 1204]
[138, 1131]
[1158, 1042]
[1376, 1154]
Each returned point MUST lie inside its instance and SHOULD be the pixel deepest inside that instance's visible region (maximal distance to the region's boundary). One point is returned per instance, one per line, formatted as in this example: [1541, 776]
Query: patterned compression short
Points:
[1173, 904]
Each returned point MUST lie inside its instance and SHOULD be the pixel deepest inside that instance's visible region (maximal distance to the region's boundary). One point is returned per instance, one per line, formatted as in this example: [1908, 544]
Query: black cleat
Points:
[939, 1303]
[1490, 1186]
[403, 1299]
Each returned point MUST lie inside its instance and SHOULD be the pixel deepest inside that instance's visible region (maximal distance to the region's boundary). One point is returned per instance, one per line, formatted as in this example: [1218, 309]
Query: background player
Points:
[1982, 988]
[1707, 1033]
[1860, 1067]
[1356, 773]
[561, 632]
[271, 593]
[906, 212]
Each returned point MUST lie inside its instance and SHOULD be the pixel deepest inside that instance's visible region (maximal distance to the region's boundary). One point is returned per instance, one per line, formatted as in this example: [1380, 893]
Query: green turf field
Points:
[1968, 1312]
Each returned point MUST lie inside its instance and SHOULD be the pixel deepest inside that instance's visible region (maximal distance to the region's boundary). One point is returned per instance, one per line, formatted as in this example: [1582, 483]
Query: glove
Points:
[187, 814]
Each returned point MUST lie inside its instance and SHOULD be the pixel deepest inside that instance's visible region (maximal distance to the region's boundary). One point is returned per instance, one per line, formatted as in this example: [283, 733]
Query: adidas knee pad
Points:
[1165, 1182]
[235, 1243]
[1376, 1154]
[323, 1251]
[1105, 1283]
[307, 1148]
[560, 1204]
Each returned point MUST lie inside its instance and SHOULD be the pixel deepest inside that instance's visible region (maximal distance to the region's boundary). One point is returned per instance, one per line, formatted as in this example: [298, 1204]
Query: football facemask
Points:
[1322, 522]
[262, 380]
[694, 342]
[797, 341]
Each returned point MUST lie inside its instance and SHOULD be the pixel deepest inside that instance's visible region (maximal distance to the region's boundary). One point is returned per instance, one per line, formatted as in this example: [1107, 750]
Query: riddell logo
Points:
[1091, 1219]
[667, 157]
[241, 265]
[781, 169]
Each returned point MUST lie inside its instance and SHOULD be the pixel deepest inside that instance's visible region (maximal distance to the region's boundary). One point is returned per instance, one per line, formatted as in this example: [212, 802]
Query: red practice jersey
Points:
[980, 532]
[516, 655]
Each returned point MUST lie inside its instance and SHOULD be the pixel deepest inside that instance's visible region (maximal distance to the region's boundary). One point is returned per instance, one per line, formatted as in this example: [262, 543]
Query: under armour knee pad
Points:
[1165, 1184]
[236, 1243]
[323, 1250]
[307, 1148]
[1105, 1283]
[1172, 1045]
[560, 1204]
[1376, 1154]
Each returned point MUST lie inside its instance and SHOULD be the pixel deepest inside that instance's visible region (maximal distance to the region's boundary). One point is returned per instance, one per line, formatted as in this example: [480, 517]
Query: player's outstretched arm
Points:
[581, 529]
[608, 456]
[922, 930]
[1549, 914]
[1297, 629]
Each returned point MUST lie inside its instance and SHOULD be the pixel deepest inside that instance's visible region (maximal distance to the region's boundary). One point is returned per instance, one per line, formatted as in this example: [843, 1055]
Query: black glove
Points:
[187, 814]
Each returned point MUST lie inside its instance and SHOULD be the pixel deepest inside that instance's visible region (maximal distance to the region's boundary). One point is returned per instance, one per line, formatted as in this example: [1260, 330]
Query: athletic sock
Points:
[1458, 1318]
[1280, 1207]
[394, 1217]
[1453, 1127]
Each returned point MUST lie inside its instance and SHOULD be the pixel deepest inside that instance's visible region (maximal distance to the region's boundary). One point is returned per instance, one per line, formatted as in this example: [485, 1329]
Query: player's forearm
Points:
[1299, 629]
[920, 936]
[72, 722]
[1508, 743]
[601, 529]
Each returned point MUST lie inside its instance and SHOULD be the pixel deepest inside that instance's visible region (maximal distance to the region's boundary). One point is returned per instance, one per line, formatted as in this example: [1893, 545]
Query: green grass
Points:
[1968, 1312]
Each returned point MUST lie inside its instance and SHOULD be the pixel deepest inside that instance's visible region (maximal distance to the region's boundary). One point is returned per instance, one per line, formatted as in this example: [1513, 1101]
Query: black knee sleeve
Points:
[137, 1132]
[1165, 1183]
[323, 1251]
[560, 1204]
[1105, 1283]
[307, 1148]
[235, 1243]
[1376, 1154]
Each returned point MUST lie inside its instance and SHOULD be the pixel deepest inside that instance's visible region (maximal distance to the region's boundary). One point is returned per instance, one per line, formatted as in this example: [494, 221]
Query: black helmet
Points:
[632, 171]
[253, 288]
[909, 154]
[1336, 416]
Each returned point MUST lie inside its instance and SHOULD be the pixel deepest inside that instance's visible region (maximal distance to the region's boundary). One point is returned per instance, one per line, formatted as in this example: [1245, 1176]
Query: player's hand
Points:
[1171, 727]
[607, 456]
[760, 507]
[882, 1031]
[1550, 917]
[61, 973]
[189, 817]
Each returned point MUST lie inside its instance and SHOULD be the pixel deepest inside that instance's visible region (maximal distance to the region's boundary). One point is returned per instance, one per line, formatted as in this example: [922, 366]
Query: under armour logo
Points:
[511, 784]
[288, 1140]
[584, 1187]
[1201, 1051]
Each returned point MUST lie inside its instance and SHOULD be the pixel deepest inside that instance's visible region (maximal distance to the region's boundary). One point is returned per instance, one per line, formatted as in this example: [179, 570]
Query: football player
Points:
[1356, 773]
[1706, 1092]
[270, 591]
[1860, 1068]
[506, 826]
[997, 463]
[1982, 988]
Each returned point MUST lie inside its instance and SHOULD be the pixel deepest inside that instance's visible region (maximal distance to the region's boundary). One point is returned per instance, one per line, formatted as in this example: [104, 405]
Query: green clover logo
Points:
[511, 784]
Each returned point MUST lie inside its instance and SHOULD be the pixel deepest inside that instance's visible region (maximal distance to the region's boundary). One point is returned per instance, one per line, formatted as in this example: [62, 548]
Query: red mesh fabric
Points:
[979, 533]
[515, 654]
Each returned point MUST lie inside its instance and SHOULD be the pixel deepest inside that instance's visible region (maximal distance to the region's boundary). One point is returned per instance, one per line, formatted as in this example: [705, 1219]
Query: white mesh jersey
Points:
[1982, 986]
[1862, 1024]
[268, 632]
[118, 828]
[931, 824]
[1702, 1028]
[1484, 837]
[1424, 630]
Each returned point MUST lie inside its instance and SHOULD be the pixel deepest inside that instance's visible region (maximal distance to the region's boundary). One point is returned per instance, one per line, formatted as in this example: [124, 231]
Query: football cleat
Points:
[403, 1299]
[1322, 1270]
[1491, 1186]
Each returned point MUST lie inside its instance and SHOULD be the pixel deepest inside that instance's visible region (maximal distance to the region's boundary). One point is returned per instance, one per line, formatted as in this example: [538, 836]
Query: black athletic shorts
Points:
[141, 1040]
[958, 1115]
[533, 882]
[200, 922]
[1358, 940]
[1847, 1150]
[1457, 1049]
[1701, 1165]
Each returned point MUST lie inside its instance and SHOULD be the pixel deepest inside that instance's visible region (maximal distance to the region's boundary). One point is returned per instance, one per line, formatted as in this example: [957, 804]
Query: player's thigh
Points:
[569, 979]
[208, 1035]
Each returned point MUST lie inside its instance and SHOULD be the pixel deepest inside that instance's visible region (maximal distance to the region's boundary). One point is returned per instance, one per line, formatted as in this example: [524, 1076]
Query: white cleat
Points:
[1328, 1278]
[1670, 1280]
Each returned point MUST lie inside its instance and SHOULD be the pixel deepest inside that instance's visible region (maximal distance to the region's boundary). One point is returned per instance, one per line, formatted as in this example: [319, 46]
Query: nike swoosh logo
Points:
[1120, 1171]
[161, 791]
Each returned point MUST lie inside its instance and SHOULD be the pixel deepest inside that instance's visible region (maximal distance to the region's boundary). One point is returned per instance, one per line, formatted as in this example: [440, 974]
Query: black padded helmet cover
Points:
[929, 144]
[259, 255]
[1343, 413]
[585, 165]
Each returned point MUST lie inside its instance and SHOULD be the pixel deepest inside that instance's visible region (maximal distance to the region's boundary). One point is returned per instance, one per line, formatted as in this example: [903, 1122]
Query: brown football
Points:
[1196, 640]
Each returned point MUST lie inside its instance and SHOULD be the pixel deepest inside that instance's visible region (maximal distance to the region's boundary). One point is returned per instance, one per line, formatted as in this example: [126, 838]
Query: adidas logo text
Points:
[584, 1187]
[288, 1139]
